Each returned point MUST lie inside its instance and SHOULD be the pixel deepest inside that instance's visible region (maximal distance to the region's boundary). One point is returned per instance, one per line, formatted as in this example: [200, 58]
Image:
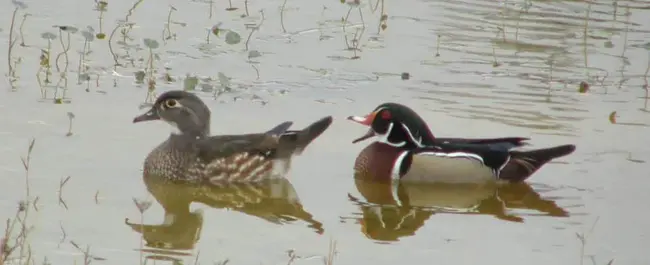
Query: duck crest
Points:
[407, 150]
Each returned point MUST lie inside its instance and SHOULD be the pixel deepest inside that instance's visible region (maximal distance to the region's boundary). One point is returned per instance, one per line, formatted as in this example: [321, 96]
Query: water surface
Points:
[505, 68]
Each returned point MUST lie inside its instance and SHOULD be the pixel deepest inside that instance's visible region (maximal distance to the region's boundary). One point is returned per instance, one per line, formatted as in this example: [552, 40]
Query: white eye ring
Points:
[171, 103]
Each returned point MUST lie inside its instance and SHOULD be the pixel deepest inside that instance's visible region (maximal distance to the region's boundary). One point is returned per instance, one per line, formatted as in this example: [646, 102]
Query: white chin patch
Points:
[174, 128]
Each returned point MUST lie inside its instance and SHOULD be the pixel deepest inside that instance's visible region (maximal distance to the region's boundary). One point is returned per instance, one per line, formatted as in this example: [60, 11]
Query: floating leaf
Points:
[205, 87]
[139, 77]
[100, 36]
[608, 44]
[69, 29]
[19, 4]
[48, 35]
[190, 82]
[224, 80]
[142, 204]
[647, 46]
[216, 28]
[253, 54]
[612, 117]
[84, 76]
[88, 35]
[584, 87]
[151, 43]
[232, 37]
[71, 115]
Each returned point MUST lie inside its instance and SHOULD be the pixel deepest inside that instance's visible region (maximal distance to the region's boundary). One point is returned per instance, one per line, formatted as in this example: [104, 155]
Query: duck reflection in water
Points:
[274, 200]
[394, 210]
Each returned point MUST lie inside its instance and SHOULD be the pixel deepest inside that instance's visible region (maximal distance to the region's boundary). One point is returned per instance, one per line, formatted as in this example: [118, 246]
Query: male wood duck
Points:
[407, 150]
[191, 155]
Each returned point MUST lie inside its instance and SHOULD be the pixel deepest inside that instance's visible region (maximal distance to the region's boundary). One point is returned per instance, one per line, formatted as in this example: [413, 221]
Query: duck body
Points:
[192, 155]
[407, 151]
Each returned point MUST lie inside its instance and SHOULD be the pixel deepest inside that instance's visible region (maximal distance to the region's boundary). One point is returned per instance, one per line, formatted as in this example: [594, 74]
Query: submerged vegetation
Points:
[122, 50]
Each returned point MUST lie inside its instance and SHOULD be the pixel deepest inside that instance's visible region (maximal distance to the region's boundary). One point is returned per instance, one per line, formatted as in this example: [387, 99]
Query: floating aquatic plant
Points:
[63, 74]
[44, 64]
[251, 55]
[151, 44]
[355, 42]
[13, 64]
[88, 38]
[245, 9]
[70, 118]
[284, 4]
[224, 81]
[230, 7]
[438, 46]
[231, 37]
[167, 32]
[583, 87]
[20, 30]
[190, 82]
[101, 6]
[139, 77]
[254, 28]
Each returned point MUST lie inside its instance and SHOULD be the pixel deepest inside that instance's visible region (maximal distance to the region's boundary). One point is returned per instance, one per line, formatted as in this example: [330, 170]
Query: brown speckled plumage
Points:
[194, 156]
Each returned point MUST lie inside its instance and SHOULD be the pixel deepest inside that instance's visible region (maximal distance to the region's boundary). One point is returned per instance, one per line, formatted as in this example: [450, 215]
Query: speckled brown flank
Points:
[240, 167]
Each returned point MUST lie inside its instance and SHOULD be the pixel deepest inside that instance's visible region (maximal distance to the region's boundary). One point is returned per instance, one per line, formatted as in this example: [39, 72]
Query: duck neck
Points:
[194, 130]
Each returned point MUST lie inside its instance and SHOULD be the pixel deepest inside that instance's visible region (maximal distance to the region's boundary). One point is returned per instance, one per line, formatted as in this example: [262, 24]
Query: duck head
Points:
[184, 111]
[396, 125]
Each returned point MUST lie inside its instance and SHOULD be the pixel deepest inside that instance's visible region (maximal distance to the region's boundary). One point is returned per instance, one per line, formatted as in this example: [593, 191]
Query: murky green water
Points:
[542, 51]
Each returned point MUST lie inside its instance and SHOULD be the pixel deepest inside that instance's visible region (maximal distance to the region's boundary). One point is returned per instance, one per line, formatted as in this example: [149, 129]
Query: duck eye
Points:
[386, 115]
[171, 103]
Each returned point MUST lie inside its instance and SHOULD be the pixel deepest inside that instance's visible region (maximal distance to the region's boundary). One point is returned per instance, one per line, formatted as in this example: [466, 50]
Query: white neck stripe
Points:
[397, 165]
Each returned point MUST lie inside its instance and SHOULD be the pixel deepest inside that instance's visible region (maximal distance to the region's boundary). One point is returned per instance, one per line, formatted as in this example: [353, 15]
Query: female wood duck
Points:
[192, 155]
[407, 150]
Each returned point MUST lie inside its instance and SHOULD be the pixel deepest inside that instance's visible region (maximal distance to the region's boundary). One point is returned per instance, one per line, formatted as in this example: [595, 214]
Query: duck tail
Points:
[523, 164]
[297, 141]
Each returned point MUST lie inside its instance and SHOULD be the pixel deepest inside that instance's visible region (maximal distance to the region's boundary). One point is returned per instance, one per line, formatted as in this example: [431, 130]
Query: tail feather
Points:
[279, 129]
[296, 141]
[523, 164]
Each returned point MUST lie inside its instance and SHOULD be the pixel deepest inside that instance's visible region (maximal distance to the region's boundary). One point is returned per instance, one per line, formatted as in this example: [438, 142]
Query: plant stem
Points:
[11, 45]
[282, 16]
[20, 29]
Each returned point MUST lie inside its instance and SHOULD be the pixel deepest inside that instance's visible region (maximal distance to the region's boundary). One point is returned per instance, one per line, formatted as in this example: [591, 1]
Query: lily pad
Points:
[190, 82]
[253, 54]
[232, 37]
[224, 80]
[151, 43]
[69, 29]
[608, 44]
[647, 46]
[216, 29]
[48, 35]
[88, 35]
[19, 4]
[612, 117]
